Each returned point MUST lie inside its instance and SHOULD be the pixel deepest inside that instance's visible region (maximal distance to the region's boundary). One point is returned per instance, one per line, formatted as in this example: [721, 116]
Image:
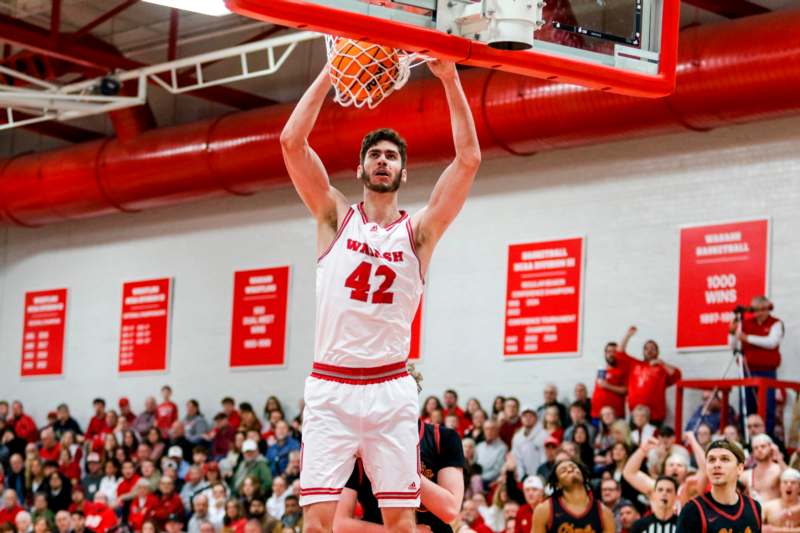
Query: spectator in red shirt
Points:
[167, 412]
[79, 501]
[648, 379]
[472, 518]
[611, 385]
[223, 435]
[169, 502]
[125, 488]
[451, 408]
[97, 425]
[11, 507]
[101, 517]
[143, 505]
[509, 420]
[229, 408]
[23, 425]
[125, 411]
[50, 449]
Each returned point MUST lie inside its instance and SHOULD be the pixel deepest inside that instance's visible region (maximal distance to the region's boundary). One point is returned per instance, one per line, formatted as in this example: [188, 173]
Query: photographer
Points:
[759, 335]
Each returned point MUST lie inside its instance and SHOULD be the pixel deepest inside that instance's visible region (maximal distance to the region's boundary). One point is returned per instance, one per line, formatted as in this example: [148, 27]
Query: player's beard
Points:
[381, 187]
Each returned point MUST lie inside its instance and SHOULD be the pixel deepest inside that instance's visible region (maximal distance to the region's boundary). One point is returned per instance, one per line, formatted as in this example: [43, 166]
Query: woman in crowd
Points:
[580, 436]
[475, 430]
[34, 477]
[156, 442]
[130, 442]
[498, 404]
[551, 423]
[234, 517]
[195, 424]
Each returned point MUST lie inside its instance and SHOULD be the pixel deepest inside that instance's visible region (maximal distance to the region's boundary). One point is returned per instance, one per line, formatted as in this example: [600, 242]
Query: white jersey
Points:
[369, 284]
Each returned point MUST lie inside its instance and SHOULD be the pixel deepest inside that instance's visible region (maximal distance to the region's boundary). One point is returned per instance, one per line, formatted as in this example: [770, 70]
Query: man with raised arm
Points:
[372, 259]
[675, 467]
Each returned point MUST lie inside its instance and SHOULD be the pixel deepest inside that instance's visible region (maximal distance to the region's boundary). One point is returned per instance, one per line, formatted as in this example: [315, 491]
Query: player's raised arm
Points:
[453, 186]
[304, 165]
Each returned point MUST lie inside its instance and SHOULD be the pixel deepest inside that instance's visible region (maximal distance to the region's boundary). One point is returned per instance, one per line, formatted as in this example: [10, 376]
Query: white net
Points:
[364, 74]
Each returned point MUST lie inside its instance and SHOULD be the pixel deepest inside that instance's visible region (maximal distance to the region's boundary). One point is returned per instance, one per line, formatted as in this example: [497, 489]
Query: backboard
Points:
[622, 46]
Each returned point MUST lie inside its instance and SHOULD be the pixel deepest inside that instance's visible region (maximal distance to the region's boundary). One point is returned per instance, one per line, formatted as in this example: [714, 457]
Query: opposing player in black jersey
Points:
[662, 518]
[572, 507]
[724, 509]
[442, 461]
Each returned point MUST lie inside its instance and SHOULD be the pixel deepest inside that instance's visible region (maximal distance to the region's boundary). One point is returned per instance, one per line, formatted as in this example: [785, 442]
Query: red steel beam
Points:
[55, 19]
[732, 9]
[104, 17]
[172, 44]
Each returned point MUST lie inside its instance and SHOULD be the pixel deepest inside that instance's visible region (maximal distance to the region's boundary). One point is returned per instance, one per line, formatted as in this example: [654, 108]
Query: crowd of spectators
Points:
[159, 471]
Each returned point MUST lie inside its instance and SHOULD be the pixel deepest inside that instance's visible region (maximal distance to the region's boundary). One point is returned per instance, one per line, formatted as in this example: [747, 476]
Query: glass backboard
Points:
[622, 46]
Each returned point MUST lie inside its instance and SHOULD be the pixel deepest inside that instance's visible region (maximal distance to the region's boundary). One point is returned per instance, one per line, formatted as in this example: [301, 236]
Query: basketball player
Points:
[764, 479]
[572, 507]
[676, 467]
[662, 517]
[783, 514]
[724, 509]
[442, 462]
[359, 399]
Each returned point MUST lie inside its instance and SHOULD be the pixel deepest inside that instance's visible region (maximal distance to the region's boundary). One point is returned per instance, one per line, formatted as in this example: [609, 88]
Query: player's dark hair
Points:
[384, 134]
[611, 343]
[668, 478]
[99, 400]
[451, 391]
[552, 479]
[732, 447]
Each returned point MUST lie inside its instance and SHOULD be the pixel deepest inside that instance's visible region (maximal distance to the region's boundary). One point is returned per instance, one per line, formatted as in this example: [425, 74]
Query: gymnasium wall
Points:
[627, 198]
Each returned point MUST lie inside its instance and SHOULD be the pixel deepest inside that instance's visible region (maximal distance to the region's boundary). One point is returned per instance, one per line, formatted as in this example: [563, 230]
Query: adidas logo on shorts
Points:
[413, 486]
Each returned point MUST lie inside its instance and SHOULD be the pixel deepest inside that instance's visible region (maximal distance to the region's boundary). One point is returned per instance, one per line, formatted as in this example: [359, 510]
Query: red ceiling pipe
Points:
[733, 72]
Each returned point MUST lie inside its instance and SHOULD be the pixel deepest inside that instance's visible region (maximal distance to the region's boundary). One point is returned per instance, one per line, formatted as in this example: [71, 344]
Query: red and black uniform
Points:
[758, 358]
[704, 514]
[615, 375]
[439, 447]
[561, 519]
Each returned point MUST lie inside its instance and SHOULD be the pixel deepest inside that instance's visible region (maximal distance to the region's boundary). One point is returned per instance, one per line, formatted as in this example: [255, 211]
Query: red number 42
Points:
[358, 281]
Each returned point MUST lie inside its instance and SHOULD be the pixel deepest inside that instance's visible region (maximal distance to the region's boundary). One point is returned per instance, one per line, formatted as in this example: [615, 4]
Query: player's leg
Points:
[390, 450]
[330, 443]
[399, 519]
[318, 517]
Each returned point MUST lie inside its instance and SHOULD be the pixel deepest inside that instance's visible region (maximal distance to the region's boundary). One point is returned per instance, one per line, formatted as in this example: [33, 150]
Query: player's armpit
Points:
[609, 525]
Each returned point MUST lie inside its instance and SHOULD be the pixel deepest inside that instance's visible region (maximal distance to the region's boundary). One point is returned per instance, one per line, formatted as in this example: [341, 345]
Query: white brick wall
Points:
[628, 199]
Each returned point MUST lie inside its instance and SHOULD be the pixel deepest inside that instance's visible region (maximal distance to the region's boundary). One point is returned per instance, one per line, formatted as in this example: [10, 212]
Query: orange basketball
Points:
[363, 69]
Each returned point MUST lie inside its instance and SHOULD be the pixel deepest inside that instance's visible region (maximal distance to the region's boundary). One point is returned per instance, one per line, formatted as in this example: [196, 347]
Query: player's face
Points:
[722, 467]
[790, 488]
[569, 474]
[382, 169]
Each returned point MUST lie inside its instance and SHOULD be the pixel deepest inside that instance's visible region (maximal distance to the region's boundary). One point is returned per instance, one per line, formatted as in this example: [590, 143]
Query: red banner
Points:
[414, 353]
[544, 288]
[258, 332]
[721, 266]
[144, 333]
[43, 333]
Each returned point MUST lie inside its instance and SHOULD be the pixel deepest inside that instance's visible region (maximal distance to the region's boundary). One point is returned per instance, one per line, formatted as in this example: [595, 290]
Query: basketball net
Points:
[374, 81]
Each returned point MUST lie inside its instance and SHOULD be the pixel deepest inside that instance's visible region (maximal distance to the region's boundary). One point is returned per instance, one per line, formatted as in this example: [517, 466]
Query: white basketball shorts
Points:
[361, 412]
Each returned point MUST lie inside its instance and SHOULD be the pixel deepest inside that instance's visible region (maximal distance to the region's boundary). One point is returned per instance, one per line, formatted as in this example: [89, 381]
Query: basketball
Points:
[364, 70]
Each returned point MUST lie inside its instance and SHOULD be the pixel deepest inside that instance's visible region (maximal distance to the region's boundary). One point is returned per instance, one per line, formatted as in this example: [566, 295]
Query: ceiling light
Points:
[215, 8]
